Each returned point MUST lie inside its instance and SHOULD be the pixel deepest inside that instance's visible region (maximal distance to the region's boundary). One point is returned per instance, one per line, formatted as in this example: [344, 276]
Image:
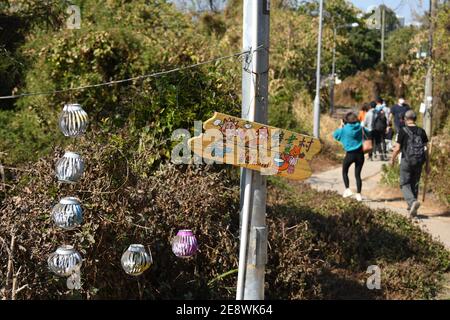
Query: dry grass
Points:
[303, 112]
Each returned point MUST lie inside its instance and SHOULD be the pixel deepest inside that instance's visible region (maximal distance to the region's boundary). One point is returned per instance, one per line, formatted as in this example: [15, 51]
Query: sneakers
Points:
[414, 207]
[347, 193]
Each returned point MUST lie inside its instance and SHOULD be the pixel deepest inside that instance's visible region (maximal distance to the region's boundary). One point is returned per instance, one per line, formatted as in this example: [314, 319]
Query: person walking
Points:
[412, 143]
[381, 105]
[368, 123]
[379, 131]
[362, 112]
[388, 137]
[398, 114]
[351, 136]
[380, 122]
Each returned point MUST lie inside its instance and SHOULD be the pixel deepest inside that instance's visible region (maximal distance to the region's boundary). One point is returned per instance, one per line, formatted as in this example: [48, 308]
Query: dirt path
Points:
[432, 218]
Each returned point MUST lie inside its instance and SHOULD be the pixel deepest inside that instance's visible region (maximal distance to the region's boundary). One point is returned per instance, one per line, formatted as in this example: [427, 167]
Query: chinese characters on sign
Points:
[270, 150]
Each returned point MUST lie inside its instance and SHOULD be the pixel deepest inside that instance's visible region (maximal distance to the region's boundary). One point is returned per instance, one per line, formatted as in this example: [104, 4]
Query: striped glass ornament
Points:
[64, 261]
[135, 260]
[70, 167]
[184, 244]
[68, 214]
[73, 120]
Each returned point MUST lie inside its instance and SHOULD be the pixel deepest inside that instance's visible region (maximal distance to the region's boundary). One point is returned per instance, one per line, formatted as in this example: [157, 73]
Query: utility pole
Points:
[316, 127]
[428, 99]
[383, 30]
[333, 71]
[253, 239]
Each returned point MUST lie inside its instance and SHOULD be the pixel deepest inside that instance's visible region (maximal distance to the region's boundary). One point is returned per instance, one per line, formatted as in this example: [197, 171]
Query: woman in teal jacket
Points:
[350, 135]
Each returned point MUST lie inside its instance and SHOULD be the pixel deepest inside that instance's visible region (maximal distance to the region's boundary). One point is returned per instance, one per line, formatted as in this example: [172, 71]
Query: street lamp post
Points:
[333, 67]
[333, 72]
[316, 126]
[383, 30]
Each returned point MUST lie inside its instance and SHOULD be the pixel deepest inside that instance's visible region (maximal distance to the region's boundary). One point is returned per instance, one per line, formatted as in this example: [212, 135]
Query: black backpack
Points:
[380, 124]
[415, 148]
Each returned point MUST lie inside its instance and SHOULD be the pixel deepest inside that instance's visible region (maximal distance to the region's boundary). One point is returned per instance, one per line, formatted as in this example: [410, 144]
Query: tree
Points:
[361, 51]
[399, 45]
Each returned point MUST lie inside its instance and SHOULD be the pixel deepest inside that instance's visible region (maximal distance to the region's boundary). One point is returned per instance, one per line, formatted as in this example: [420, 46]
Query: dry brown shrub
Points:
[319, 243]
[122, 207]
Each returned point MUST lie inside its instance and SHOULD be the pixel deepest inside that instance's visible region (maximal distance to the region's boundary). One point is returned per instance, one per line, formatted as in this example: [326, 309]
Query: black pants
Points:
[357, 157]
[379, 143]
[374, 143]
[409, 181]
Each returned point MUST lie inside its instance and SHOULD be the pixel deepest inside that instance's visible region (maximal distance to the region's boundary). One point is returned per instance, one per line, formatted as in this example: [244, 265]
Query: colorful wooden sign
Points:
[252, 145]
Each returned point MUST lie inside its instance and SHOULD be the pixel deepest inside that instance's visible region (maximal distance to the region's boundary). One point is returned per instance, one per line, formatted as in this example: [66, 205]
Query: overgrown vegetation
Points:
[320, 246]
[122, 39]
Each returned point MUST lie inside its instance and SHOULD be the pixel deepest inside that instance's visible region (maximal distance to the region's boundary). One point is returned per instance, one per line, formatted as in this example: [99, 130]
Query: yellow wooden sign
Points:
[256, 146]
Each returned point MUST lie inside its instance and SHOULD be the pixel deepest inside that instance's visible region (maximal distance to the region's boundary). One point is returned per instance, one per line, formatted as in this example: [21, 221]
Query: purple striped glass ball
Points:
[184, 244]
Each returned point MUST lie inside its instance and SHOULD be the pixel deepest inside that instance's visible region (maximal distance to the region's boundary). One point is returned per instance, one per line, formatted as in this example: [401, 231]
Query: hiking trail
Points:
[432, 218]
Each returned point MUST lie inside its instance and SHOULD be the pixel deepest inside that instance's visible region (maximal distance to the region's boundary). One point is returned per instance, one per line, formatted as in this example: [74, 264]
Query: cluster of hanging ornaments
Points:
[68, 213]
[135, 260]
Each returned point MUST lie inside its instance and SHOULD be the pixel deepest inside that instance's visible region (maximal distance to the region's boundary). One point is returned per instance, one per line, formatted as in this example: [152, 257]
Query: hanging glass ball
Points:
[70, 167]
[73, 120]
[64, 261]
[68, 214]
[184, 244]
[135, 260]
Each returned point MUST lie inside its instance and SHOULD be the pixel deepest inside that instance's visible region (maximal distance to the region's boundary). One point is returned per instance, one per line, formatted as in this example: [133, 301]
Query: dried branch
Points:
[21, 288]
[5, 245]
[10, 268]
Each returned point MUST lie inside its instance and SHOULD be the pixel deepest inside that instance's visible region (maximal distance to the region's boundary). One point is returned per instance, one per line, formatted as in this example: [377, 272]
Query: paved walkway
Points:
[432, 218]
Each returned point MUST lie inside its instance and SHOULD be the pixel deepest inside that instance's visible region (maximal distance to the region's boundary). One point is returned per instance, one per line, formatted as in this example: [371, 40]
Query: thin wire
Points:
[152, 75]
[400, 6]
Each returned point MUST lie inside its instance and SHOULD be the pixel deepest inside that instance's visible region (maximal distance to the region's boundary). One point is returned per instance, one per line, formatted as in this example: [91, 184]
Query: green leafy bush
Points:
[116, 41]
[390, 175]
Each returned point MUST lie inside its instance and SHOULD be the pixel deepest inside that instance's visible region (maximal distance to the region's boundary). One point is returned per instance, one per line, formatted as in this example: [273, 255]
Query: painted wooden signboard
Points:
[270, 150]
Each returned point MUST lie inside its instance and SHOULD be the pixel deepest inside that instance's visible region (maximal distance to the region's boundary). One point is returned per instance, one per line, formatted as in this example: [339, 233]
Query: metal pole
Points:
[427, 117]
[316, 127]
[428, 101]
[383, 28]
[246, 212]
[333, 72]
[253, 246]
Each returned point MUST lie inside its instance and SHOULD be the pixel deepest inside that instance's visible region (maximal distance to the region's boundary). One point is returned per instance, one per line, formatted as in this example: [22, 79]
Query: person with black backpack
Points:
[412, 143]
[379, 127]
